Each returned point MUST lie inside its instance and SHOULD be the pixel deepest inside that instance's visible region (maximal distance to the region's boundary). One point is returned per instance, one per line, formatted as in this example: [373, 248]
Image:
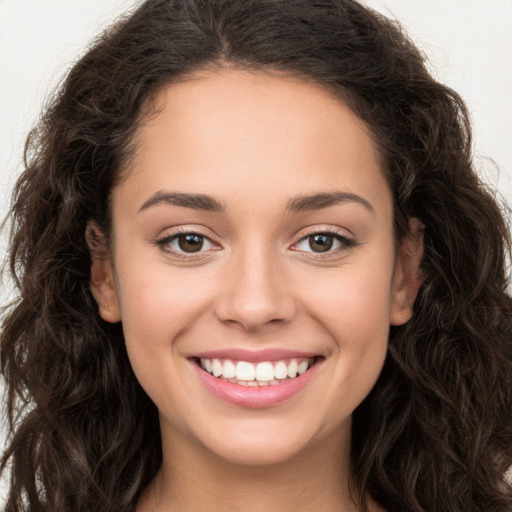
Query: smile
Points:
[256, 380]
[264, 373]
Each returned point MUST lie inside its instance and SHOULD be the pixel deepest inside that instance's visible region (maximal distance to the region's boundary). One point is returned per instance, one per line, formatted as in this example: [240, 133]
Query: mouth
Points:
[265, 382]
[264, 373]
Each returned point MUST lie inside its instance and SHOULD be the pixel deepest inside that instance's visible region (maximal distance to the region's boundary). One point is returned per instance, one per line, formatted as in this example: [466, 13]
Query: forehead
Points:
[231, 133]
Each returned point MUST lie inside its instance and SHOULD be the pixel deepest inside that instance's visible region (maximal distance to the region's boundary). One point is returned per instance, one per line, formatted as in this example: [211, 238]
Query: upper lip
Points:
[255, 356]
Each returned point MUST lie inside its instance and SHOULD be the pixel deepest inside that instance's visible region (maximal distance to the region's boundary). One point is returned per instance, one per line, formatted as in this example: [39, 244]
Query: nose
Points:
[255, 293]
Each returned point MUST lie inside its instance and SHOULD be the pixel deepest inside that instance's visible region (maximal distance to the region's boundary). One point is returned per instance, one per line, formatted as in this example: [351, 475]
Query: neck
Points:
[193, 478]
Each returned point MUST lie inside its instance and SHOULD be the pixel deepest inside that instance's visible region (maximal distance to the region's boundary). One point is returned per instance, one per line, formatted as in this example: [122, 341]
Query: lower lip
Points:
[255, 396]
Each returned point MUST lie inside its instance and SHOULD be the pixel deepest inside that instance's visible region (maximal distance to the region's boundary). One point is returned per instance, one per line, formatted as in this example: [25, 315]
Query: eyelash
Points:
[345, 242]
[164, 244]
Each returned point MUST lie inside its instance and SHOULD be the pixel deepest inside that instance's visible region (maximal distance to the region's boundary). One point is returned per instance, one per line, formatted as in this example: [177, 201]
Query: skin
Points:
[254, 142]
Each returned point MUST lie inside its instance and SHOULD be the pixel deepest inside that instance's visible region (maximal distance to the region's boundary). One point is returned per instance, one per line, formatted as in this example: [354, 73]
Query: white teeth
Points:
[292, 369]
[265, 372]
[229, 370]
[302, 367]
[216, 368]
[281, 370]
[244, 371]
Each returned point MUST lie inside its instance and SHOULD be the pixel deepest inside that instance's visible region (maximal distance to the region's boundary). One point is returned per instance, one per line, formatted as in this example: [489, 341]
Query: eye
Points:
[186, 243]
[324, 243]
[190, 242]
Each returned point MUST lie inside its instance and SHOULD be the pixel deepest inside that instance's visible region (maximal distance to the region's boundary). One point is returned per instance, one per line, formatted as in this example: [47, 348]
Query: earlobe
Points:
[407, 277]
[102, 275]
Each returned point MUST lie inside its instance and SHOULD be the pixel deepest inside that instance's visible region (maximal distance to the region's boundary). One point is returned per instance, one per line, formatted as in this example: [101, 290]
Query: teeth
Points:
[265, 373]
[244, 371]
[292, 369]
[280, 370]
[302, 367]
[228, 370]
[216, 368]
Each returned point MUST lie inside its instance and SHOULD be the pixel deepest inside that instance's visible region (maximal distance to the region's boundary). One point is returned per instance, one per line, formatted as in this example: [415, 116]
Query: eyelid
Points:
[347, 240]
[163, 243]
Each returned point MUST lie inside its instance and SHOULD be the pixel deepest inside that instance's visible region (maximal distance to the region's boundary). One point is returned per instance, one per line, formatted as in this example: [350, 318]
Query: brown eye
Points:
[190, 242]
[325, 243]
[321, 242]
[187, 244]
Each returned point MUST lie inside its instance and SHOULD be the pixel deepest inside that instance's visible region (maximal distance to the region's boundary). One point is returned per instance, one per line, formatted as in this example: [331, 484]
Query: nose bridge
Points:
[255, 292]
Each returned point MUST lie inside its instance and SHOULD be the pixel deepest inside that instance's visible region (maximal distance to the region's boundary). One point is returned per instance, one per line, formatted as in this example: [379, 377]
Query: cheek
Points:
[357, 317]
[354, 310]
[158, 306]
[353, 303]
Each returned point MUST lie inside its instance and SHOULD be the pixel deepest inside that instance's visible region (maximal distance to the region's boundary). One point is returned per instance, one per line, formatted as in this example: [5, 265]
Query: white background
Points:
[468, 41]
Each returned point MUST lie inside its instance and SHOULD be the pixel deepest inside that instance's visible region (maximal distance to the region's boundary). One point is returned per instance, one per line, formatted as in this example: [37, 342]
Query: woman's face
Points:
[254, 266]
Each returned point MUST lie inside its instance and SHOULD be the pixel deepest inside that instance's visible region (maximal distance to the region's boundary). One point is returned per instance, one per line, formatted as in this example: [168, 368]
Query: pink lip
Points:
[254, 356]
[255, 396]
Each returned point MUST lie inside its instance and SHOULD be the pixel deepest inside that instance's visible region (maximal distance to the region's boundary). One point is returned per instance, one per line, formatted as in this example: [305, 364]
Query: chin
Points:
[255, 443]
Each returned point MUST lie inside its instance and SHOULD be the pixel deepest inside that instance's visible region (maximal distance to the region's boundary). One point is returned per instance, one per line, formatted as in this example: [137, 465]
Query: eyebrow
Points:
[297, 204]
[324, 200]
[194, 201]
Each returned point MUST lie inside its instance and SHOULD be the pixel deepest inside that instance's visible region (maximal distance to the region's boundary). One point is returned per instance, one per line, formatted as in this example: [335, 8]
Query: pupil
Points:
[190, 243]
[321, 243]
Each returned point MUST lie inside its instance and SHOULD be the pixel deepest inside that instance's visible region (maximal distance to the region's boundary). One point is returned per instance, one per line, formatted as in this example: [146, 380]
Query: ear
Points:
[102, 283]
[407, 276]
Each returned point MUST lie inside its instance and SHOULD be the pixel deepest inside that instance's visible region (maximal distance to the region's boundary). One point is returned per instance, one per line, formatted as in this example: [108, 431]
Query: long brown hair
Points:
[435, 433]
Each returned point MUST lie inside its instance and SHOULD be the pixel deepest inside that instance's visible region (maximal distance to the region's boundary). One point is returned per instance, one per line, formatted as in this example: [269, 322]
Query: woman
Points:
[256, 271]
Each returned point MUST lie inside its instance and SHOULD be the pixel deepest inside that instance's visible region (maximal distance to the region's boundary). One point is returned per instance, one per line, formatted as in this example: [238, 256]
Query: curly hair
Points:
[434, 434]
